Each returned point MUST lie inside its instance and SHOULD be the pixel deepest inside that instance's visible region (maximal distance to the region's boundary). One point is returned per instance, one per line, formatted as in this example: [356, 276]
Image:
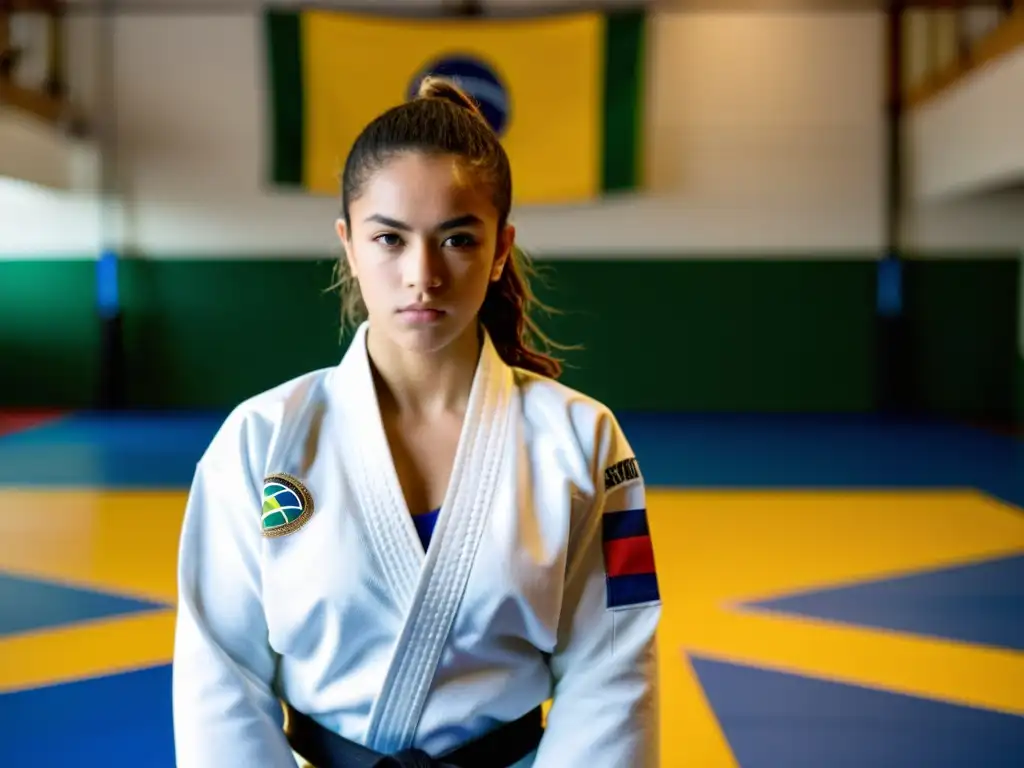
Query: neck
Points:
[425, 383]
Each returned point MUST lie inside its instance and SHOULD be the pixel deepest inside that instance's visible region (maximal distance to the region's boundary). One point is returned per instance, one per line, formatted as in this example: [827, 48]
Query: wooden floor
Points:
[838, 592]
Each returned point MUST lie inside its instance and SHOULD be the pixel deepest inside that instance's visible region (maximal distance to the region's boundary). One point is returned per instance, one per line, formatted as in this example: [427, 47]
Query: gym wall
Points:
[741, 280]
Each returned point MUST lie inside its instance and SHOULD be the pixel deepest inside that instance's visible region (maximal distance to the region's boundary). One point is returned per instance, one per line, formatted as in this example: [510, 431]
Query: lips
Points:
[419, 315]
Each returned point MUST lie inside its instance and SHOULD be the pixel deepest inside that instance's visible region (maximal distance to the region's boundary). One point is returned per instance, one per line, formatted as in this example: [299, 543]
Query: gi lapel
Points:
[369, 468]
[429, 588]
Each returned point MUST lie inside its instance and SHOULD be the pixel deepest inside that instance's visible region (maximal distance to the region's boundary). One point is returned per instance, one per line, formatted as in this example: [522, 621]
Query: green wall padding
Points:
[729, 335]
[656, 334]
[717, 335]
[211, 333]
[49, 336]
[1019, 386]
[1019, 378]
[962, 329]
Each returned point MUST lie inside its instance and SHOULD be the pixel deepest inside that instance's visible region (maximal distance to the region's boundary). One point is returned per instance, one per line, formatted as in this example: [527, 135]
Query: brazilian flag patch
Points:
[287, 505]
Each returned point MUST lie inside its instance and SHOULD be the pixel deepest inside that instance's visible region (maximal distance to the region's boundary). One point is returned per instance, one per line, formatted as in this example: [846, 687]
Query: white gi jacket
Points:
[538, 582]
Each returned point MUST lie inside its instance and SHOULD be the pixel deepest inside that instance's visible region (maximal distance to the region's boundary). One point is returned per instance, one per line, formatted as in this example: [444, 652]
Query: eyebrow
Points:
[460, 221]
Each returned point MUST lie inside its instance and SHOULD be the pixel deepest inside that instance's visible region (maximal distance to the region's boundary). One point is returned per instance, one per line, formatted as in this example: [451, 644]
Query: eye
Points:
[388, 240]
[461, 240]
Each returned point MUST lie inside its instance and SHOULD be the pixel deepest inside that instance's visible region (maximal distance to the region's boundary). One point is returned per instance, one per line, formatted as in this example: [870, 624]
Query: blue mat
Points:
[777, 720]
[980, 603]
[121, 721]
[31, 604]
[677, 450]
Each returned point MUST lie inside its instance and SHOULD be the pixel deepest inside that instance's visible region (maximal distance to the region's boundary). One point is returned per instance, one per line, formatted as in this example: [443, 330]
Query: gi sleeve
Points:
[605, 707]
[225, 712]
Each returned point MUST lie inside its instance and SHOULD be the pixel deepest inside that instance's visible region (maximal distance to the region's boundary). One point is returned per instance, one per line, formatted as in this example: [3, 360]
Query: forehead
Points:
[423, 189]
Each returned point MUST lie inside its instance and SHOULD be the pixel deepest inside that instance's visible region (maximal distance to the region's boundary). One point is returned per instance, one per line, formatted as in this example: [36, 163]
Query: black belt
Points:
[504, 746]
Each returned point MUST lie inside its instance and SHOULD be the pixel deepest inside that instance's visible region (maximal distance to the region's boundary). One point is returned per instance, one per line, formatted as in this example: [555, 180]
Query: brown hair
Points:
[443, 119]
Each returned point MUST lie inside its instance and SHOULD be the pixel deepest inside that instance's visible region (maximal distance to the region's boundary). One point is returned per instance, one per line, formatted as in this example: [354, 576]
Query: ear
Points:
[344, 236]
[506, 242]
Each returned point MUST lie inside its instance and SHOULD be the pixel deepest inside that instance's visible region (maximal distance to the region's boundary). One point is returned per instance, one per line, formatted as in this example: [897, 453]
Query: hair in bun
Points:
[434, 87]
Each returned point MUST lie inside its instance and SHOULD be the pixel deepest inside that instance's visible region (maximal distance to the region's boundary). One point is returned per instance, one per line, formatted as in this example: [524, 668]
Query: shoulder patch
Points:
[287, 505]
[631, 579]
[621, 472]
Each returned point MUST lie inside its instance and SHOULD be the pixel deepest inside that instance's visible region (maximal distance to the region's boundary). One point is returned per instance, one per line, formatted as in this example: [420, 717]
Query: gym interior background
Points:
[791, 302]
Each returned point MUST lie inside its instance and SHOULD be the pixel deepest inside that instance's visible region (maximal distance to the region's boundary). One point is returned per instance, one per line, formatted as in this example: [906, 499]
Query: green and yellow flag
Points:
[564, 92]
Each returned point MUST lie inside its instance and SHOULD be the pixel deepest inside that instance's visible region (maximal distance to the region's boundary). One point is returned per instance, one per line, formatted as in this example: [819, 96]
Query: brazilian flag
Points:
[564, 91]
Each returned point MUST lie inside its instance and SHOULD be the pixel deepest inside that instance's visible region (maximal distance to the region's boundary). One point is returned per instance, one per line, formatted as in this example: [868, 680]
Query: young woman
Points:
[398, 560]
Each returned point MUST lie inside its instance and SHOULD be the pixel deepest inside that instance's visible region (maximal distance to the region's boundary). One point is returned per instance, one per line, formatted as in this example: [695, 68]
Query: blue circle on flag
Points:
[476, 78]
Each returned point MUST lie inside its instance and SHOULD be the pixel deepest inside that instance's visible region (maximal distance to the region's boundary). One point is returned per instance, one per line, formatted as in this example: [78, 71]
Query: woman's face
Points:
[424, 244]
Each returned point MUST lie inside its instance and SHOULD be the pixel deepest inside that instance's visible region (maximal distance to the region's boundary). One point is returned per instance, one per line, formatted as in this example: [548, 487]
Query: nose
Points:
[424, 267]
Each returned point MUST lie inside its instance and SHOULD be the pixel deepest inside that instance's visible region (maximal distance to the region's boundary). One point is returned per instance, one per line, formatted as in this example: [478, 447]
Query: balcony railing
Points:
[48, 99]
[944, 43]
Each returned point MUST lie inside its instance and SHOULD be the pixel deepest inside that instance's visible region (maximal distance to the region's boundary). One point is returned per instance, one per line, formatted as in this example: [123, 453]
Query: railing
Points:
[47, 100]
[953, 38]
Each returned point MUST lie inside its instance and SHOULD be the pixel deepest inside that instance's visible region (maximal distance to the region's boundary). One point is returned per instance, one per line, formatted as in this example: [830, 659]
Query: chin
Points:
[427, 338]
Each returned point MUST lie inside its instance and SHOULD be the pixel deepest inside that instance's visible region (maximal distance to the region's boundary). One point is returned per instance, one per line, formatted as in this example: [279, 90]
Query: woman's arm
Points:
[605, 709]
[225, 712]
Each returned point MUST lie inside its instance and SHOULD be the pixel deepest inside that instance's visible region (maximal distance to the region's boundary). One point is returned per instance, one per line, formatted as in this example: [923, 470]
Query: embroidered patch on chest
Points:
[630, 575]
[287, 505]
